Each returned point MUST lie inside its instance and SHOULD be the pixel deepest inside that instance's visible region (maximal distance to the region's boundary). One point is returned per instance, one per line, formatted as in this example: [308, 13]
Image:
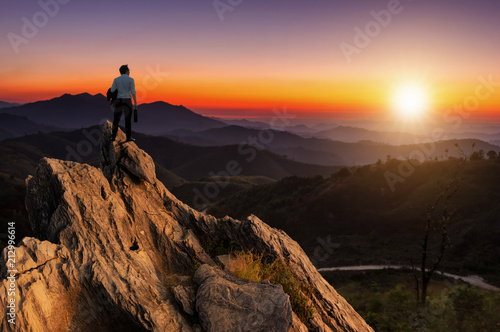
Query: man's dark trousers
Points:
[123, 105]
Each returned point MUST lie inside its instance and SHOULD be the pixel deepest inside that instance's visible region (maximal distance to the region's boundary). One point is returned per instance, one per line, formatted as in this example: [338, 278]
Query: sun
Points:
[410, 101]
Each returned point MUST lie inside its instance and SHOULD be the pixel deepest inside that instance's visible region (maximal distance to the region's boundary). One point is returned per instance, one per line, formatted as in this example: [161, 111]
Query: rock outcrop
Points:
[115, 251]
[226, 303]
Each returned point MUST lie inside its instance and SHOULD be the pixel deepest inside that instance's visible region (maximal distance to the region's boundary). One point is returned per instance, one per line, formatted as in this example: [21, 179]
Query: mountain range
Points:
[351, 134]
[4, 104]
[299, 129]
[189, 162]
[318, 145]
[85, 110]
[16, 126]
[324, 151]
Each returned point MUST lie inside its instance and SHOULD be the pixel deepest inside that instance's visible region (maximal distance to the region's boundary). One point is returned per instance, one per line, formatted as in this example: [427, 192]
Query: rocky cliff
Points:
[116, 251]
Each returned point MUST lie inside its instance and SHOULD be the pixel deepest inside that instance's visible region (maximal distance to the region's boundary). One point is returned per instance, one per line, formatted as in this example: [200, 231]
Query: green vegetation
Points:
[373, 225]
[254, 267]
[386, 300]
[224, 187]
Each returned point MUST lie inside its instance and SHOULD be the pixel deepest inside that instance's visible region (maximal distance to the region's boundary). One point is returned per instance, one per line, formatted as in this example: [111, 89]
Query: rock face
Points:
[115, 251]
[185, 296]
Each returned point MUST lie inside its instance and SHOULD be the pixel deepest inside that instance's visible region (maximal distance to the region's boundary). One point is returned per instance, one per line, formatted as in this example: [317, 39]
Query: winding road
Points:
[471, 279]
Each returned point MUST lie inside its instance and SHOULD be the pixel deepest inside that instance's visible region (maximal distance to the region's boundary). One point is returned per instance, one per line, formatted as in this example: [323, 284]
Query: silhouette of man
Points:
[126, 89]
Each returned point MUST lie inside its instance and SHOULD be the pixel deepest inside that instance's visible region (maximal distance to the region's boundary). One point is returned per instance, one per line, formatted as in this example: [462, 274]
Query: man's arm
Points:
[132, 92]
[135, 100]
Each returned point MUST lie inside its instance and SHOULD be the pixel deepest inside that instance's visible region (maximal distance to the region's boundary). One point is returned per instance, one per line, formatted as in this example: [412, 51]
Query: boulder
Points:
[227, 303]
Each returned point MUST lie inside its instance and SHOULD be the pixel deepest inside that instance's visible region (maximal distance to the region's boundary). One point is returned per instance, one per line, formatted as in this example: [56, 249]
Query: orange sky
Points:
[220, 97]
[261, 57]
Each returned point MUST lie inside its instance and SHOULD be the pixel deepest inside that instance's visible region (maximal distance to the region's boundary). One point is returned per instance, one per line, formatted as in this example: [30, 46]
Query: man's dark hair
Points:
[124, 69]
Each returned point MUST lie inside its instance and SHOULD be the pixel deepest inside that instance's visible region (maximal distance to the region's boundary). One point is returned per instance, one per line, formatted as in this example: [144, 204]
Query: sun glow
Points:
[410, 101]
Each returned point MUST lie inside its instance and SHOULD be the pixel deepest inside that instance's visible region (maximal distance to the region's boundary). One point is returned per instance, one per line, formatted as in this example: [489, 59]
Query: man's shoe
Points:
[130, 139]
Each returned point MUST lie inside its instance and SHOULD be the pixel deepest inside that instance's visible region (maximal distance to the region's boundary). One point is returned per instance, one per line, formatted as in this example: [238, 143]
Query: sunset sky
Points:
[259, 55]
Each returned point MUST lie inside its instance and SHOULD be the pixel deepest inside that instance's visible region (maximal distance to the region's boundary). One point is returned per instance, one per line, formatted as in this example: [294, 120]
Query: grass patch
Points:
[254, 267]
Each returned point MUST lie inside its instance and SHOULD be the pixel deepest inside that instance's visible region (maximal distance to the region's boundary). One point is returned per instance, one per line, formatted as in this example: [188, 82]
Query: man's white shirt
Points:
[125, 85]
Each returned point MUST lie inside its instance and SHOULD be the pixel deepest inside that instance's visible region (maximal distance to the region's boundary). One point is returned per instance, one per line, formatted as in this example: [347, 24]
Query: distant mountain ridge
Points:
[323, 151]
[299, 129]
[281, 142]
[337, 146]
[4, 104]
[85, 110]
[67, 111]
[347, 134]
[159, 117]
[20, 155]
[353, 134]
[350, 134]
[16, 126]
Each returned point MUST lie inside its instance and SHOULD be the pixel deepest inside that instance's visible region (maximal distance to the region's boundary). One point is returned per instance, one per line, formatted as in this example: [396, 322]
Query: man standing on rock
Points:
[126, 89]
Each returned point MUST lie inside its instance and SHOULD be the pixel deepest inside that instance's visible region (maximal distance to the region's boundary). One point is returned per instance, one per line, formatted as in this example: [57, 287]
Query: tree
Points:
[342, 173]
[435, 239]
[477, 155]
[469, 310]
[492, 154]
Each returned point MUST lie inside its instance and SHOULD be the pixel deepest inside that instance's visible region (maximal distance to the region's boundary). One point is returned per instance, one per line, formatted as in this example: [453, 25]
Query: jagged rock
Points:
[118, 154]
[111, 243]
[185, 296]
[226, 303]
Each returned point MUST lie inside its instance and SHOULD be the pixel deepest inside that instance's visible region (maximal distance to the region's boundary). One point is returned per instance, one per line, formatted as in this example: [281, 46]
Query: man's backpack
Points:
[112, 97]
